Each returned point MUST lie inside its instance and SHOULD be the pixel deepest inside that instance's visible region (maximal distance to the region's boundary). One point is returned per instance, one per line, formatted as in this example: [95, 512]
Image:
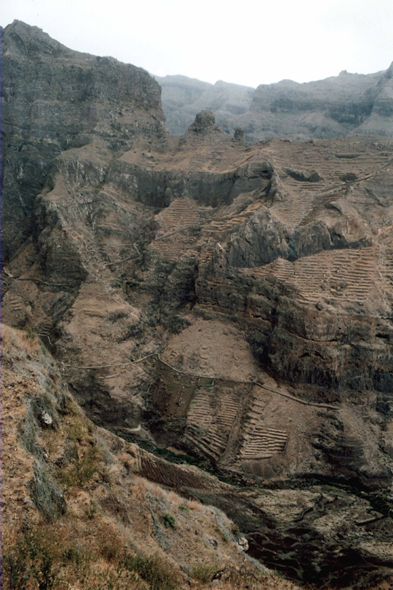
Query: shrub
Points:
[110, 550]
[258, 346]
[91, 511]
[14, 567]
[82, 470]
[221, 533]
[29, 561]
[131, 331]
[159, 574]
[77, 555]
[76, 431]
[204, 572]
[177, 324]
[169, 521]
[29, 332]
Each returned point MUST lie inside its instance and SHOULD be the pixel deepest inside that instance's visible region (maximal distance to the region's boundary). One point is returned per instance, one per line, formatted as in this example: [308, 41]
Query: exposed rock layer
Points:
[54, 99]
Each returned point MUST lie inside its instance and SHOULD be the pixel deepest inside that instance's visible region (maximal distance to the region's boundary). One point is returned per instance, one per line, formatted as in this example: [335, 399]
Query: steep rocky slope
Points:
[76, 509]
[53, 99]
[226, 301]
[343, 105]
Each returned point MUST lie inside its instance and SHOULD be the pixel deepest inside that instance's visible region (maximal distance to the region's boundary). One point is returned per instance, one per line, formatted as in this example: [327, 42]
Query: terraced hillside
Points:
[290, 241]
[214, 299]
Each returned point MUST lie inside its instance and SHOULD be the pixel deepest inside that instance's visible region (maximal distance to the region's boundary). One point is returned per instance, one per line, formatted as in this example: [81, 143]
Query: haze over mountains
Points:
[343, 105]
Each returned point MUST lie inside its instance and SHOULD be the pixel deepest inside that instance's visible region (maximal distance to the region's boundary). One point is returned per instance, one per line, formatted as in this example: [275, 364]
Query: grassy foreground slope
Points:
[75, 511]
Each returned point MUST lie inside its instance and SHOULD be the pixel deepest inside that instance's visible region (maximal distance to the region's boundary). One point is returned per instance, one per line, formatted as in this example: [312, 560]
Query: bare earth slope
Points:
[227, 300]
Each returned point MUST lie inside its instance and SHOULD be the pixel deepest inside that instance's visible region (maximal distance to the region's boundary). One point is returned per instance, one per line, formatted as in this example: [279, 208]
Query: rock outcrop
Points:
[227, 300]
[343, 105]
[183, 98]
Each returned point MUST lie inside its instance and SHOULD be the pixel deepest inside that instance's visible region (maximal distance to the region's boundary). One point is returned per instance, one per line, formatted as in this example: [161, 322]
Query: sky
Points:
[246, 42]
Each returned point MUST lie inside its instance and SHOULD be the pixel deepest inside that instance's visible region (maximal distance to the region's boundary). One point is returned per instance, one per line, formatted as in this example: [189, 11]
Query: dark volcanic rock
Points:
[204, 122]
[264, 239]
[52, 99]
[342, 105]
[239, 134]
[204, 128]
[316, 535]
[159, 188]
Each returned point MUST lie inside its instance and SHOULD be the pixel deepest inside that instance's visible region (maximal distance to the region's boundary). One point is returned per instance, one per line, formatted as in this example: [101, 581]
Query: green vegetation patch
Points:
[169, 521]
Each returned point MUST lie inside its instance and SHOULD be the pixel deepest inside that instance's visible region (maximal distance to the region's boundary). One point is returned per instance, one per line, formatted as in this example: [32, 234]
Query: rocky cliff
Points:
[226, 302]
[343, 105]
[54, 99]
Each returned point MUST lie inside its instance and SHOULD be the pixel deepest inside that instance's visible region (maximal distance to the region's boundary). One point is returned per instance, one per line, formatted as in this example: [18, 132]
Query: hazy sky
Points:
[246, 42]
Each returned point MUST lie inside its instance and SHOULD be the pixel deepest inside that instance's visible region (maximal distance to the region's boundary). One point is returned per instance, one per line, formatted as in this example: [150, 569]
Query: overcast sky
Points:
[246, 42]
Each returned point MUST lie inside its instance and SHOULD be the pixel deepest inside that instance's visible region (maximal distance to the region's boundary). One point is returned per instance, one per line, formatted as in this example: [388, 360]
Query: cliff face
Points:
[343, 105]
[54, 99]
[229, 300]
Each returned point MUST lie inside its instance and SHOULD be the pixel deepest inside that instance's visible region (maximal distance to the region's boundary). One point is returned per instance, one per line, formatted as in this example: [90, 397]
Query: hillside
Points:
[76, 509]
[207, 300]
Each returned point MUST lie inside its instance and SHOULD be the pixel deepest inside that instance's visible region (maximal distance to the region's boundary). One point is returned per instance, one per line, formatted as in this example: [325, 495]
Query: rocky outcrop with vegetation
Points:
[77, 509]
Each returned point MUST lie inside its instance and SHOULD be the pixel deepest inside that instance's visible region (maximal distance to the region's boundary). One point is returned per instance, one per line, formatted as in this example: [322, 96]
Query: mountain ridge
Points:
[338, 105]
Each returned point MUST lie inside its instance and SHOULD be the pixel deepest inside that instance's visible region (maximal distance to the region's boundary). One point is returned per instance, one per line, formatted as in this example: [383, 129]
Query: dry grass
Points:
[195, 505]
[89, 460]
[108, 539]
[51, 442]
[204, 572]
[49, 557]
[231, 577]
[18, 341]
